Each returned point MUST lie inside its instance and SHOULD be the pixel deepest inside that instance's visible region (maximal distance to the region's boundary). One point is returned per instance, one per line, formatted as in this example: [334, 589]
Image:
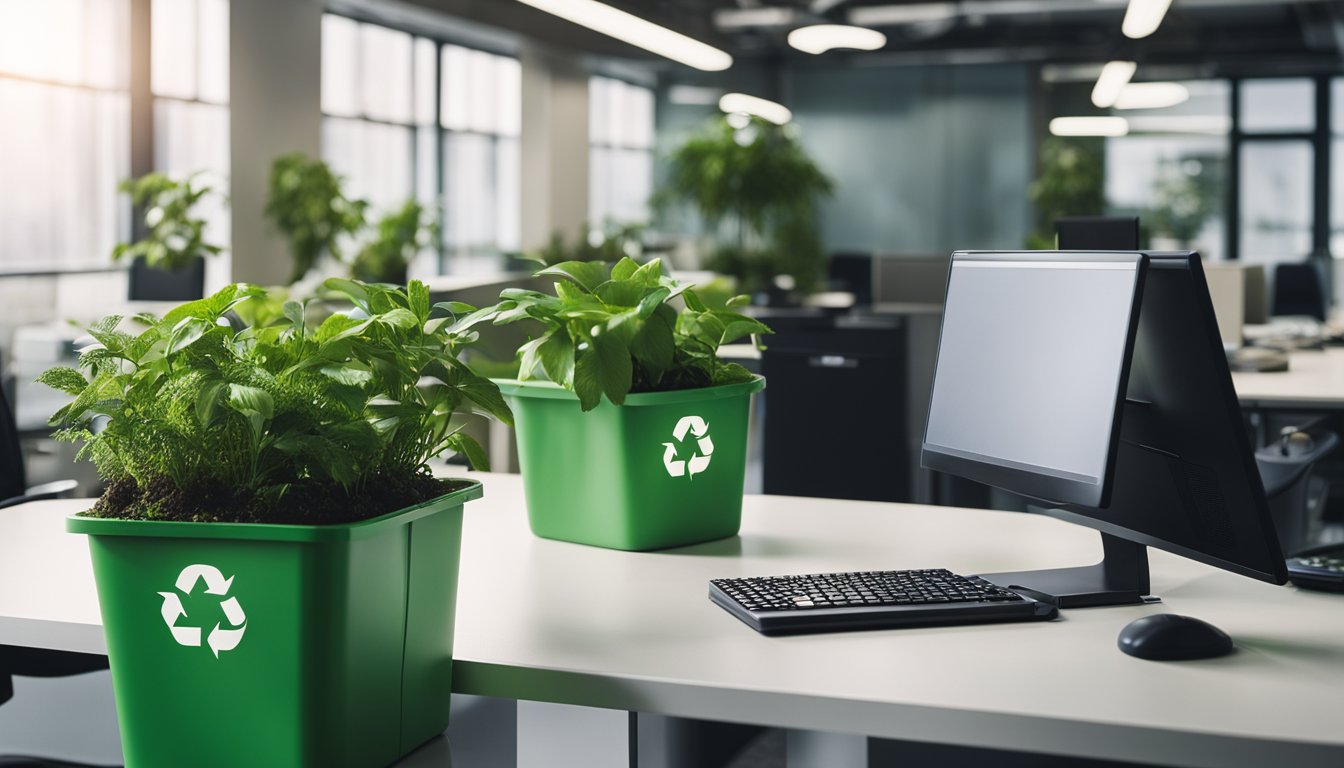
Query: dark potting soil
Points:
[304, 503]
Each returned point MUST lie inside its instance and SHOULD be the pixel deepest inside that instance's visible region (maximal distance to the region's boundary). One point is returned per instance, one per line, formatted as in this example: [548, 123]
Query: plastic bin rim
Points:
[177, 529]
[552, 391]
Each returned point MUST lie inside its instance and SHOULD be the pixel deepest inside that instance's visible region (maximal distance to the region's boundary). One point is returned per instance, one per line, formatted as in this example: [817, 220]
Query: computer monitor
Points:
[1096, 384]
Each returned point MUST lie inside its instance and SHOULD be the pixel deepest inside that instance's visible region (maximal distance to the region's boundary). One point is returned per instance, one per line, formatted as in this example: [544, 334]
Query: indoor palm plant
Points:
[631, 430]
[276, 566]
[168, 261]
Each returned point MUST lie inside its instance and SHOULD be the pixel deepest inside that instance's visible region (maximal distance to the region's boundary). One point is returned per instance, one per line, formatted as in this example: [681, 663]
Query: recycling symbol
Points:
[221, 638]
[697, 463]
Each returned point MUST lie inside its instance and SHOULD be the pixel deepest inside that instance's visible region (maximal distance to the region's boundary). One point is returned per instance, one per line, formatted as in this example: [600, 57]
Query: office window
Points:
[373, 84]
[481, 116]
[189, 77]
[1280, 105]
[620, 155]
[1171, 170]
[65, 132]
[1276, 201]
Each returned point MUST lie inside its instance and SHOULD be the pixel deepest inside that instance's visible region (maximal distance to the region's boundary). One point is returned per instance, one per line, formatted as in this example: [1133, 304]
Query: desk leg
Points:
[814, 749]
[568, 736]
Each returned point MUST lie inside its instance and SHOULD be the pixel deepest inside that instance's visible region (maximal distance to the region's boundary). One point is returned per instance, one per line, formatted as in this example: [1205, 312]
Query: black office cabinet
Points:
[835, 422]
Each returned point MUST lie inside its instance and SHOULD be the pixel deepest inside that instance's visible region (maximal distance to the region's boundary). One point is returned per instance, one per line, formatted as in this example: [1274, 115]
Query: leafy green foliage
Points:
[1070, 183]
[612, 330]
[174, 235]
[190, 401]
[397, 238]
[310, 209]
[759, 181]
[613, 243]
[1186, 193]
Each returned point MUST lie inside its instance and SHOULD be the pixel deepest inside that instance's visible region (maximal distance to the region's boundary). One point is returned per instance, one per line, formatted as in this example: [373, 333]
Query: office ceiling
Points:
[1224, 35]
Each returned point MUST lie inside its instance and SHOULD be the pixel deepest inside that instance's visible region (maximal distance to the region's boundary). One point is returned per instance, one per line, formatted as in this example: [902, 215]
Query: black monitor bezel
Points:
[1044, 486]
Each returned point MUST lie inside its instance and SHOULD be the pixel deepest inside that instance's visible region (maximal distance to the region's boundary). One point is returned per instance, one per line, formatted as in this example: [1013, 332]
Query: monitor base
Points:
[1121, 578]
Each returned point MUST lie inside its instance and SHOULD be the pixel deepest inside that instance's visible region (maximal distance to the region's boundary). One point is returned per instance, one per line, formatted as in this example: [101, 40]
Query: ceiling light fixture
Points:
[1114, 77]
[1143, 17]
[1089, 126]
[894, 15]
[1152, 96]
[820, 38]
[631, 29]
[752, 105]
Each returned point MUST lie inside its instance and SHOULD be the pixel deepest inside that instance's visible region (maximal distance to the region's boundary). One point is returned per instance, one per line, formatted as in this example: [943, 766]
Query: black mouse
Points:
[1171, 637]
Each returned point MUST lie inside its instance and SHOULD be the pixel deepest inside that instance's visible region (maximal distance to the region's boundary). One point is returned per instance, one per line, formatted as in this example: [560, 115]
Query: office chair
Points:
[1298, 291]
[1286, 471]
[13, 487]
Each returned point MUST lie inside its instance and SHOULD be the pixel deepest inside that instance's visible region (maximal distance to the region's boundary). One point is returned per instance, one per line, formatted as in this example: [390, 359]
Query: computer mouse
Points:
[1171, 637]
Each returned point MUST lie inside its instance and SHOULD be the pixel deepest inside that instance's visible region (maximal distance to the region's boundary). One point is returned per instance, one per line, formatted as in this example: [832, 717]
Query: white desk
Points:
[1314, 380]
[554, 622]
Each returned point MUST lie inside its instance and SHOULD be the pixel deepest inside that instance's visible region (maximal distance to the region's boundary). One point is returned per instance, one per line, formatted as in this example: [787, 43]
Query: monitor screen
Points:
[1032, 361]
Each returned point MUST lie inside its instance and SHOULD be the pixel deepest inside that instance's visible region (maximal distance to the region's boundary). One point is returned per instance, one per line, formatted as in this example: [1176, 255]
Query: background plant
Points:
[174, 234]
[613, 330]
[309, 207]
[611, 244]
[398, 237]
[759, 189]
[1071, 182]
[193, 404]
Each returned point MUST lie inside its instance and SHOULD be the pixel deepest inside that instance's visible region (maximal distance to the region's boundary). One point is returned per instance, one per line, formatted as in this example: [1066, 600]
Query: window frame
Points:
[1319, 138]
[611, 146]
[444, 255]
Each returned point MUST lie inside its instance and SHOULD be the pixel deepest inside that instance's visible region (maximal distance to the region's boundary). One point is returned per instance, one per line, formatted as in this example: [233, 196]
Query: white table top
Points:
[1315, 378]
[551, 621]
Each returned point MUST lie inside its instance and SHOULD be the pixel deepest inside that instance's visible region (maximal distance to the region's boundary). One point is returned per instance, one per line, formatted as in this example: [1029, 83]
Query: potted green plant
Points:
[1071, 181]
[754, 184]
[631, 430]
[168, 262]
[398, 236]
[276, 567]
[309, 207]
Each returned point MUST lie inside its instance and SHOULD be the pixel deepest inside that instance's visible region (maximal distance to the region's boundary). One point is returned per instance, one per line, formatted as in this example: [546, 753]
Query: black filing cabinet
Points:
[835, 422]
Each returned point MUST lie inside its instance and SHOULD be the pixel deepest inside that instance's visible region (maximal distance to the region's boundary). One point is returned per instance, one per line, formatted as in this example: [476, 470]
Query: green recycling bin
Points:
[270, 646]
[665, 469]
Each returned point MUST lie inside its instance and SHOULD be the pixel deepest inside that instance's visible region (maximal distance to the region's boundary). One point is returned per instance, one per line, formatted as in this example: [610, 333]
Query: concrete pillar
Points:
[275, 87]
[553, 146]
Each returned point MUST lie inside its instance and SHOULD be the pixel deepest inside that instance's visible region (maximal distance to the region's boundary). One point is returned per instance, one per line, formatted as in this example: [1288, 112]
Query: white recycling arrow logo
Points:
[697, 463]
[220, 638]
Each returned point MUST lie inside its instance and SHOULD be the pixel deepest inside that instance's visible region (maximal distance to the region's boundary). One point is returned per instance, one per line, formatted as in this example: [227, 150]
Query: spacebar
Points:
[879, 616]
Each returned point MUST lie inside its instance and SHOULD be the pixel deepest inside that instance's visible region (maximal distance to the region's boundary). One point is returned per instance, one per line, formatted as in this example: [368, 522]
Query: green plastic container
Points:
[664, 470]
[235, 644]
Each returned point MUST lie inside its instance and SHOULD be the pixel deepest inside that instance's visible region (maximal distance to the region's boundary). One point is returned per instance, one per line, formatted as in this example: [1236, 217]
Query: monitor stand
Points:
[1121, 578]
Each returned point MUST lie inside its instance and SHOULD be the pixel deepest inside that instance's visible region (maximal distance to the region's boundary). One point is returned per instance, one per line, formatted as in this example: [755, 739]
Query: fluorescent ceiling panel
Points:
[820, 38]
[752, 105]
[631, 29]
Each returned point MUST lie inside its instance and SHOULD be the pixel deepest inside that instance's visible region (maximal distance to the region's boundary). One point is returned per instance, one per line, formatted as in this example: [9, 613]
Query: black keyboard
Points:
[833, 602]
